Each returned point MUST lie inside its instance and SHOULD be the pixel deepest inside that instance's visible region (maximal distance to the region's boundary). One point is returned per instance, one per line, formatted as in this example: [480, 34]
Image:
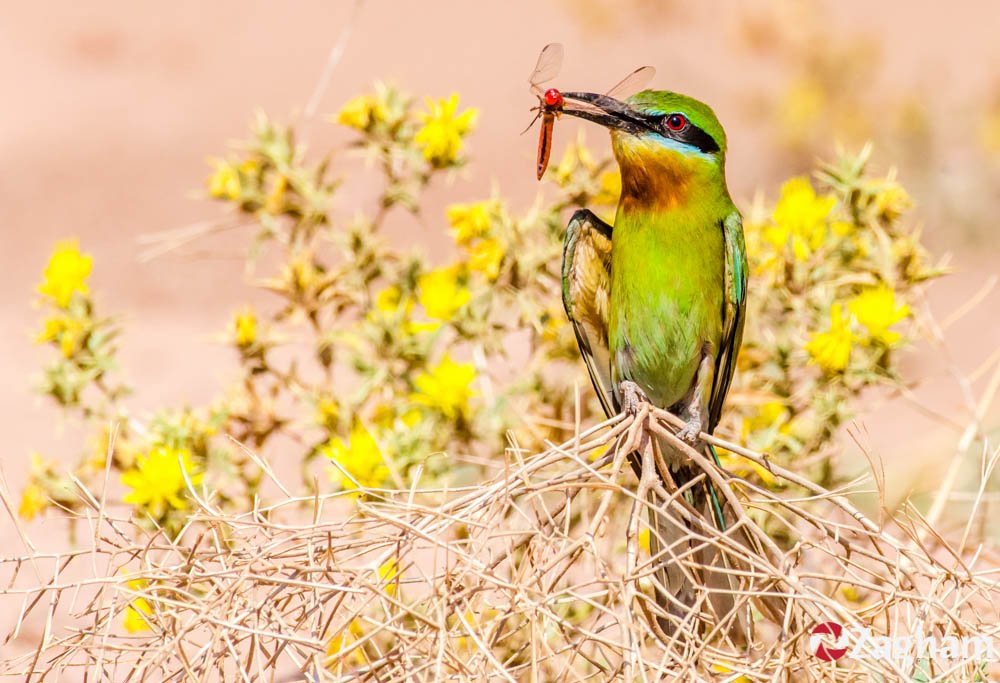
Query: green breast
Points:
[667, 279]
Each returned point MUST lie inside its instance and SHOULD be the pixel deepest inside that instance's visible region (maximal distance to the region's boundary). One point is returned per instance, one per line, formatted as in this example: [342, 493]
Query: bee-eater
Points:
[658, 300]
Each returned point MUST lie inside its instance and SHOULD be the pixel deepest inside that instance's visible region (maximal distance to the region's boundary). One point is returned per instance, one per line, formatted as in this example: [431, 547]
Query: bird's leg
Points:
[692, 425]
[694, 410]
[632, 395]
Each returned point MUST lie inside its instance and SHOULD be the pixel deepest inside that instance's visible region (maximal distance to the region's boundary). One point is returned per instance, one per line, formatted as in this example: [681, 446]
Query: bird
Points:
[658, 303]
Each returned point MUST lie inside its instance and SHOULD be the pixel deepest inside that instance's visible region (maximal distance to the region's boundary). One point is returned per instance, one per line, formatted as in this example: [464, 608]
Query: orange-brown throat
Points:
[655, 177]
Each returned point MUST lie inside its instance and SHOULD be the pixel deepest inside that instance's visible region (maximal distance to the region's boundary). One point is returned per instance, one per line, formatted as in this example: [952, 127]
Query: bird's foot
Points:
[691, 430]
[632, 396]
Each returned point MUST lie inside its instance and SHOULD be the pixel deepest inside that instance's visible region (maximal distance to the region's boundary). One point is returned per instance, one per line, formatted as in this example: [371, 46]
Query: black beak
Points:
[605, 111]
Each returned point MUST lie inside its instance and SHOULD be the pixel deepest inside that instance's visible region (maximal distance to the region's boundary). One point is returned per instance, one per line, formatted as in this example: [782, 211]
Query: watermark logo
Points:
[830, 641]
[828, 630]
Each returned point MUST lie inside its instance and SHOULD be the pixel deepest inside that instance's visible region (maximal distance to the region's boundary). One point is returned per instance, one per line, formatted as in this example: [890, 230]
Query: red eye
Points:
[553, 98]
[676, 121]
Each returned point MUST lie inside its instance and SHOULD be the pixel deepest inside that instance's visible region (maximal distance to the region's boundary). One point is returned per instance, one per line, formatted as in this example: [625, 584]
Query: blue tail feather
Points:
[716, 504]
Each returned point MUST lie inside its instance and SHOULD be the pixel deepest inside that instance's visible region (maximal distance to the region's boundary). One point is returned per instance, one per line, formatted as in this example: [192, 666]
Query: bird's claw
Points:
[632, 396]
[691, 431]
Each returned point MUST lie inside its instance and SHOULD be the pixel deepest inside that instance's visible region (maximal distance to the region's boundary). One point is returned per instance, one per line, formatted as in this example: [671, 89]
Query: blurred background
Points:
[111, 109]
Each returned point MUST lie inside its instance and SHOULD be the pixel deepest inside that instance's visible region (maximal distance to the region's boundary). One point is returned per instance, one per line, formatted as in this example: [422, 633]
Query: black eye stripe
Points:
[690, 134]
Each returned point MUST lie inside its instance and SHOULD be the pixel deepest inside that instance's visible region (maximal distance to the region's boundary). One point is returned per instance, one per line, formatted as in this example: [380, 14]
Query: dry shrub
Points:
[398, 379]
[536, 574]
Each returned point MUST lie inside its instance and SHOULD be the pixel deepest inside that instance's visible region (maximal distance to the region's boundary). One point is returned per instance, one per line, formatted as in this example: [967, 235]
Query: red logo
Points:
[826, 650]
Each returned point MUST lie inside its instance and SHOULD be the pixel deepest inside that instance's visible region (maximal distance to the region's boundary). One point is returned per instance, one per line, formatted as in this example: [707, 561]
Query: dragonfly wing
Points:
[547, 67]
[629, 85]
[632, 83]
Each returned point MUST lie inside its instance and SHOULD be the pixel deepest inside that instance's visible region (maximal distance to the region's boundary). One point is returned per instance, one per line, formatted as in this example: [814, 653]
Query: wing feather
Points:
[733, 315]
[586, 285]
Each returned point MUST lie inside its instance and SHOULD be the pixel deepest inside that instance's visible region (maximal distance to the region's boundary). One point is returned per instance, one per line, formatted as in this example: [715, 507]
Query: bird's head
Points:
[666, 144]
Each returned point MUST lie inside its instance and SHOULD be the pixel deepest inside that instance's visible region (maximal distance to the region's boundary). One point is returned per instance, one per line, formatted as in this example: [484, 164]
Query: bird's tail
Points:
[697, 573]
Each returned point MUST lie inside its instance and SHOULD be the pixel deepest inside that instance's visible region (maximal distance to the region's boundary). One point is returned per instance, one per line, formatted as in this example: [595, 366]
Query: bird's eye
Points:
[676, 122]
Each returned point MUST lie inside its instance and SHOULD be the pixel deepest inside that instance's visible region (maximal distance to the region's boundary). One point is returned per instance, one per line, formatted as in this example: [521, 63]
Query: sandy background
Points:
[110, 109]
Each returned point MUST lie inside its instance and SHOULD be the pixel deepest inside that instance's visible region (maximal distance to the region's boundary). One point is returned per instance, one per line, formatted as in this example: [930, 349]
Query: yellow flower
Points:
[390, 299]
[352, 633]
[863, 245]
[157, 482]
[743, 467]
[768, 415]
[69, 337]
[850, 592]
[361, 112]
[441, 294]
[275, 201]
[69, 332]
[469, 221]
[96, 455]
[393, 308]
[877, 310]
[728, 671]
[440, 138]
[577, 155]
[386, 575]
[765, 244]
[386, 417]
[249, 167]
[891, 200]
[134, 621]
[831, 350]
[327, 412]
[446, 387]
[360, 457]
[553, 322]
[643, 539]
[33, 501]
[598, 453]
[51, 329]
[800, 217]
[841, 228]
[486, 256]
[301, 274]
[72, 337]
[66, 273]
[245, 328]
[224, 183]
[473, 621]
[610, 188]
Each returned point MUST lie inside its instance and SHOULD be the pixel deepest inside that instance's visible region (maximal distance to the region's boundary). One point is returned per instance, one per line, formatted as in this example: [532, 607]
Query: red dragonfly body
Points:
[551, 102]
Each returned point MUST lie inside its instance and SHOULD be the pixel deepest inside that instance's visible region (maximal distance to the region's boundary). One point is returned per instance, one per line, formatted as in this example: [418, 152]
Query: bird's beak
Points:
[605, 111]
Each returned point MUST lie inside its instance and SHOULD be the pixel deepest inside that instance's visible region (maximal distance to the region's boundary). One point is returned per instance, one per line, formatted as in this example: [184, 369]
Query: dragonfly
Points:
[551, 103]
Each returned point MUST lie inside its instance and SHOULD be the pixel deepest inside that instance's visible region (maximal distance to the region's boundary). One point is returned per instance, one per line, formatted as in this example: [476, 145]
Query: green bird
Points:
[658, 301]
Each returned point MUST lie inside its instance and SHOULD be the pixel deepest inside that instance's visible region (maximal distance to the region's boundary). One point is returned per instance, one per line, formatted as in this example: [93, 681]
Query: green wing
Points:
[586, 290]
[733, 315]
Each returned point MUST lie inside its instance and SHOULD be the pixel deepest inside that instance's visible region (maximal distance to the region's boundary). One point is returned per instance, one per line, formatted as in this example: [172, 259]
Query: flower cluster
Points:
[81, 376]
[84, 341]
[841, 274]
